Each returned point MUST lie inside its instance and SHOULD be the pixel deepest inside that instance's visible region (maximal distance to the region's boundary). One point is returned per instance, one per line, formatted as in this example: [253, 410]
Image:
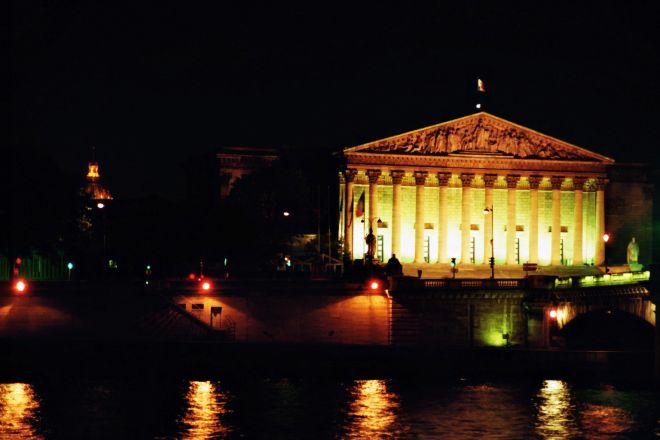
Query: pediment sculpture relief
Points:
[480, 134]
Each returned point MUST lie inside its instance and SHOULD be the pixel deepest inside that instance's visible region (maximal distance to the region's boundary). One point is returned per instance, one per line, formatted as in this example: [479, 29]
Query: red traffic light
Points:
[205, 286]
[374, 284]
[20, 286]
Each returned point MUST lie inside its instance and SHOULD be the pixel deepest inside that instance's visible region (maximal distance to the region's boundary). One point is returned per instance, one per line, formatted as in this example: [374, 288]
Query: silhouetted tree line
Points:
[46, 214]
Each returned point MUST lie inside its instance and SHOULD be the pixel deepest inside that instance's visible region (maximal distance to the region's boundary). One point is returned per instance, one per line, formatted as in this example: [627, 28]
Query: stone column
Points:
[534, 182]
[511, 184]
[397, 177]
[466, 219]
[578, 185]
[489, 183]
[556, 182]
[420, 180]
[443, 181]
[600, 221]
[373, 199]
[349, 176]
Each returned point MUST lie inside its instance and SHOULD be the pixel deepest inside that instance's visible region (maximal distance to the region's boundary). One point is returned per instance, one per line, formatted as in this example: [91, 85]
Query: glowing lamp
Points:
[553, 314]
[374, 285]
[69, 265]
[286, 213]
[606, 237]
[191, 277]
[100, 205]
[206, 286]
[20, 286]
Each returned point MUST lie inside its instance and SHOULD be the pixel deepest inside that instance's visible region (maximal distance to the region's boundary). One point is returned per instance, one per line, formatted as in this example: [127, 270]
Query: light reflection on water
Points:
[19, 409]
[555, 417]
[605, 421]
[559, 416]
[373, 410]
[326, 408]
[205, 406]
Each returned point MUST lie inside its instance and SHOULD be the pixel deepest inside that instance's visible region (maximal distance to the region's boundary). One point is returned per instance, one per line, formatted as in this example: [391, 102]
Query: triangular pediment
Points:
[480, 133]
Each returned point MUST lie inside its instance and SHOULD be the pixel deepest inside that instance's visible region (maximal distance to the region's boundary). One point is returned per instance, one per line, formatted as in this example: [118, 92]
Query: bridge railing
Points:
[473, 283]
[536, 282]
[603, 280]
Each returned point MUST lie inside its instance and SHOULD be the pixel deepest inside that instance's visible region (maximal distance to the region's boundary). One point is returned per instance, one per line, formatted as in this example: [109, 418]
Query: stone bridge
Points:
[606, 312]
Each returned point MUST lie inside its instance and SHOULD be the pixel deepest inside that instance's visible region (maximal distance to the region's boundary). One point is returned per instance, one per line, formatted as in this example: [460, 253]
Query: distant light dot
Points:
[100, 205]
[286, 213]
[478, 105]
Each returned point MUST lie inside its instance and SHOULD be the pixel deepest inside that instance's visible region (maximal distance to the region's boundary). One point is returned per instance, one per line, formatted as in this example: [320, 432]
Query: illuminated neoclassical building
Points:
[446, 190]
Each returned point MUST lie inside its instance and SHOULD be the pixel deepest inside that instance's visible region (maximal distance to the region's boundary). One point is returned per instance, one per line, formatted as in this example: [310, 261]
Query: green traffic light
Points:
[69, 265]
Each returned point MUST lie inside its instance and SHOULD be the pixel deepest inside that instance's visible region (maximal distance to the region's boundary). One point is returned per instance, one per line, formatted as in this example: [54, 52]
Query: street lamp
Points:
[489, 211]
[101, 207]
[606, 238]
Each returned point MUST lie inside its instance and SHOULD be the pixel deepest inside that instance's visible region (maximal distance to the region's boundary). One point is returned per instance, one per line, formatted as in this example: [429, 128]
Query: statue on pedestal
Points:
[371, 244]
[633, 255]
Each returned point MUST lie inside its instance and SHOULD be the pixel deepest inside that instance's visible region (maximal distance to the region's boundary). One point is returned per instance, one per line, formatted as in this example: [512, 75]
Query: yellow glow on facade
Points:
[19, 408]
[478, 248]
[454, 246]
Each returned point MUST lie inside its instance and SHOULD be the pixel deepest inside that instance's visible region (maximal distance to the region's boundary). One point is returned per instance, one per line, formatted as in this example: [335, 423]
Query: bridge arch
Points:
[608, 329]
[634, 300]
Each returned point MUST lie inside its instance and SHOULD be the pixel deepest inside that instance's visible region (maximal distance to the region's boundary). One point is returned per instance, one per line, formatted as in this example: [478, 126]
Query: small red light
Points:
[18, 260]
[191, 277]
[374, 285]
[553, 314]
[206, 285]
[20, 286]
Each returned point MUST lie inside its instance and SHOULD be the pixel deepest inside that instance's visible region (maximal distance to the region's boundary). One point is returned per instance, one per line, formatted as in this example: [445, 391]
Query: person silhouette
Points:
[393, 267]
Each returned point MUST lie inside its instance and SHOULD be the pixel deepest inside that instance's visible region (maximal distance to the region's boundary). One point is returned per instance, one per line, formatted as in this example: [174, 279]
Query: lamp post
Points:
[101, 207]
[489, 211]
[606, 238]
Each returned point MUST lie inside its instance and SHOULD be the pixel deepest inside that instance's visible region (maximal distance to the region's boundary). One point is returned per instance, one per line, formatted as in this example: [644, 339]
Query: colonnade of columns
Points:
[467, 182]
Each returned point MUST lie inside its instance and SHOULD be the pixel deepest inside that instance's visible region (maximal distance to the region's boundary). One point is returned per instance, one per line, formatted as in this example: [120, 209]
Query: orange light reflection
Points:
[205, 406]
[19, 408]
[555, 411]
[373, 410]
[605, 420]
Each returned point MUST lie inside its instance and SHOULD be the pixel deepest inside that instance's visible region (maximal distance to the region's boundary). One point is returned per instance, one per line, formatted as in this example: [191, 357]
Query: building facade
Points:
[474, 187]
[236, 162]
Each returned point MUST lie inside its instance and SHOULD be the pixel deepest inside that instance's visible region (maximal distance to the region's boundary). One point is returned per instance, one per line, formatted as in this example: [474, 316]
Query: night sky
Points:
[153, 84]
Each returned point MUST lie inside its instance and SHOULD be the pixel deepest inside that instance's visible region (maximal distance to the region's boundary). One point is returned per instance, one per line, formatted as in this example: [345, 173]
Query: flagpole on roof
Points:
[481, 91]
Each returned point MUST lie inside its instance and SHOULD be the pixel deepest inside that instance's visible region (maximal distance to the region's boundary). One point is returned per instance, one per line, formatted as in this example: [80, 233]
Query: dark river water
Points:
[321, 408]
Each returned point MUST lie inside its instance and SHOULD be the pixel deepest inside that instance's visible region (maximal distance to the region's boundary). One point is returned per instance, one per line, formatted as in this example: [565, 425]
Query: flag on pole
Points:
[359, 210]
[349, 220]
[480, 85]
